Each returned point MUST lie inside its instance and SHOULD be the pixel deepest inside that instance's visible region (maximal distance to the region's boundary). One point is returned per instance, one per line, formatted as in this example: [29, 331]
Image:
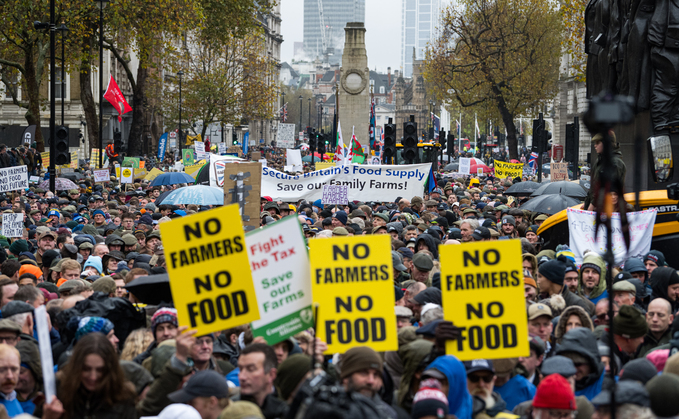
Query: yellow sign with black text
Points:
[352, 283]
[483, 295]
[507, 170]
[209, 270]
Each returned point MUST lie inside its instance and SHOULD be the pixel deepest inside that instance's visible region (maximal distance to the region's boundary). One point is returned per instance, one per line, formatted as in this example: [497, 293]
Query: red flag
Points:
[117, 99]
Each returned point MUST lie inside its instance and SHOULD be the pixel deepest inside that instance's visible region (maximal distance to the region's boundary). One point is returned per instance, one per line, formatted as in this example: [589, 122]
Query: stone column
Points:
[354, 106]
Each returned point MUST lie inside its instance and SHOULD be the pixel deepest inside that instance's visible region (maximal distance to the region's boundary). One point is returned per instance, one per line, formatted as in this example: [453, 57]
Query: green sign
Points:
[131, 162]
[187, 157]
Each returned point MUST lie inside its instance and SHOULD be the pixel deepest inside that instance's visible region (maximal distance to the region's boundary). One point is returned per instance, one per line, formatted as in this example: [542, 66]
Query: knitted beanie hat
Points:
[88, 325]
[554, 270]
[358, 359]
[429, 401]
[554, 392]
[630, 323]
[163, 315]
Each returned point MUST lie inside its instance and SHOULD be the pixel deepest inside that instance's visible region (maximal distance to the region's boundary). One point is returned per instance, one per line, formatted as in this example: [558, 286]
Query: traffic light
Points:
[573, 142]
[450, 148]
[63, 156]
[389, 149]
[234, 139]
[410, 154]
[320, 143]
[117, 141]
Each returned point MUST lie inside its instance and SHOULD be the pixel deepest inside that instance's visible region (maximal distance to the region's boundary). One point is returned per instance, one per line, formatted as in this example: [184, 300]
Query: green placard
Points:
[187, 157]
[131, 162]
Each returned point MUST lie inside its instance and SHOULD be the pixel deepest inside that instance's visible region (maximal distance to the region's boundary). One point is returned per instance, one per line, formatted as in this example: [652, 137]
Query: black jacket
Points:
[583, 342]
[272, 408]
[660, 280]
[574, 300]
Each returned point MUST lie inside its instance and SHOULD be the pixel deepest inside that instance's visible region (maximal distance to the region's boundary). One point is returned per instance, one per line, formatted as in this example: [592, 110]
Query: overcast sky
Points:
[382, 37]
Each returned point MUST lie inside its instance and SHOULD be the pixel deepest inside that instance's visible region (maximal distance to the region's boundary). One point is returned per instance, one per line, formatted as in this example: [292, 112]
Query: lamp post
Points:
[179, 131]
[101, 4]
[309, 119]
[283, 107]
[300, 113]
[63, 29]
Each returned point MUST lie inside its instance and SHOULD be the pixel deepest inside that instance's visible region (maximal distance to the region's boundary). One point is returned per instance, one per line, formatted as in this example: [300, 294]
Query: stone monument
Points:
[354, 106]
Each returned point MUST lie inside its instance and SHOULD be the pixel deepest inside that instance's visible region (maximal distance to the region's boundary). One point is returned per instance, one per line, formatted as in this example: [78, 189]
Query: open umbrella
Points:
[152, 289]
[478, 163]
[522, 188]
[570, 189]
[451, 167]
[549, 204]
[60, 184]
[172, 178]
[196, 194]
[317, 157]
[73, 176]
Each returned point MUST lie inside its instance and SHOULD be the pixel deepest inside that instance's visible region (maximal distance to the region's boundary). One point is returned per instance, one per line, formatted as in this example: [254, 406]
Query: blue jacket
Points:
[593, 389]
[459, 399]
[515, 391]
[13, 406]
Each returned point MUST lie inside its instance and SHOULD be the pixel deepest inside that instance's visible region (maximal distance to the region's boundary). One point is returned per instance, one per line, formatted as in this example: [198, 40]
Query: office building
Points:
[324, 22]
[419, 20]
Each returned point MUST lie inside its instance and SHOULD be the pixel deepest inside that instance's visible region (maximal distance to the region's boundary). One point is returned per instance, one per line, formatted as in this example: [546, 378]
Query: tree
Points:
[227, 80]
[499, 54]
[292, 99]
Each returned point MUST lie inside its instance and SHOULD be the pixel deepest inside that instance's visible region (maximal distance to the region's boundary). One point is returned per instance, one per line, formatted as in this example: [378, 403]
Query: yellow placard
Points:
[127, 172]
[190, 170]
[507, 170]
[482, 287]
[352, 283]
[324, 165]
[153, 174]
[209, 270]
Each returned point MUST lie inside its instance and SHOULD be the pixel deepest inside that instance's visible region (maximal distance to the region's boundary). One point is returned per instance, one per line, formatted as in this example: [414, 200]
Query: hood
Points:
[660, 279]
[560, 329]
[582, 342]
[642, 291]
[459, 399]
[431, 242]
[593, 259]
[636, 265]
[411, 356]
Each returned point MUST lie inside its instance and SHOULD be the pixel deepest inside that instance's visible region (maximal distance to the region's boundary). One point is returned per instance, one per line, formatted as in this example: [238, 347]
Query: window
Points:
[411, 4]
[62, 79]
[425, 17]
[425, 8]
[381, 90]
[410, 36]
[410, 20]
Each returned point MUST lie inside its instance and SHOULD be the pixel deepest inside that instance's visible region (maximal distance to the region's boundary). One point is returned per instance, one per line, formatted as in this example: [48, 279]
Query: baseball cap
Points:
[537, 310]
[479, 365]
[481, 233]
[396, 261]
[206, 383]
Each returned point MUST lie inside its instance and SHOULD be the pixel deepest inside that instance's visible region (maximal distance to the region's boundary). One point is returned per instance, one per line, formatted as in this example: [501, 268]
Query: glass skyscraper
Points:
[336, 14]
[419, 19]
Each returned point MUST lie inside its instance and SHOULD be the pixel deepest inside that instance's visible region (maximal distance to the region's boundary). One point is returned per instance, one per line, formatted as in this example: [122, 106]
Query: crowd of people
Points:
[117, 357]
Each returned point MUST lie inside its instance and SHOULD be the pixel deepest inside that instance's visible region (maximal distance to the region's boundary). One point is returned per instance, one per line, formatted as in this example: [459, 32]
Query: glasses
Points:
[476, 378]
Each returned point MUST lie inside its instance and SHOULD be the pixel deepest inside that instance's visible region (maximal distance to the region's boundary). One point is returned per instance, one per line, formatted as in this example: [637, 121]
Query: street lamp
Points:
[300, 112]
[179, 132]
[309, 119]
[101, 4]
[283, 107]
[63, 29]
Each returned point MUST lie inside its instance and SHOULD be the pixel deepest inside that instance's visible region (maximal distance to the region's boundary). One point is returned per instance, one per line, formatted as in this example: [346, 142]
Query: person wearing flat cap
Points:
[629, 330]
[422, 265]
[631, 399]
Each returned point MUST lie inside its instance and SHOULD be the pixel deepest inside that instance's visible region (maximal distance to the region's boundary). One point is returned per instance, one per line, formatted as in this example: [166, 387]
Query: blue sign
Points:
[246, 142]
[261, 140]
[162, 144]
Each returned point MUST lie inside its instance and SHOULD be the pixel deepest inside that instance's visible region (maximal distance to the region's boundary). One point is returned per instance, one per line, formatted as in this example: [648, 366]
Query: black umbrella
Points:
[522, 188]
[162, 196]
[152, 289]
[570, 189]
[451, 167]
[549, 204]
[74, 176]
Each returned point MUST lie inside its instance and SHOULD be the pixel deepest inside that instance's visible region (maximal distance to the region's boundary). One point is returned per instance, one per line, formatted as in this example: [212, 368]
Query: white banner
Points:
[281, 274]
[464, 165]
[13, 178]
[13, 225]
[581, 234]
[101, 175]
[366, 183]
[286, 136]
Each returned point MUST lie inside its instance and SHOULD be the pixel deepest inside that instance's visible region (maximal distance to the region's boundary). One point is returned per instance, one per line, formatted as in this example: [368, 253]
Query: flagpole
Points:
[459, 135]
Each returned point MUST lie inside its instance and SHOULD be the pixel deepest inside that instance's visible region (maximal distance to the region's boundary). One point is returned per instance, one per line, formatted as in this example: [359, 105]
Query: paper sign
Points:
[127, 175]
[131, 162]
[13, 178]
[558, 171]
[464, 165]
[102, 175]
[187, 157]
[294, 158]
[482, 291]
[324, 165]
[335, 195]
[45, 157]
[581, 234]
[209, 270]
[286, 136]
[352, 283]
[280, 271]
[507, 170]
[94, 157]
[479, 171]
[45, 348]
[13, 225]
[34, 179]
[117, 169]
[221, 147]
